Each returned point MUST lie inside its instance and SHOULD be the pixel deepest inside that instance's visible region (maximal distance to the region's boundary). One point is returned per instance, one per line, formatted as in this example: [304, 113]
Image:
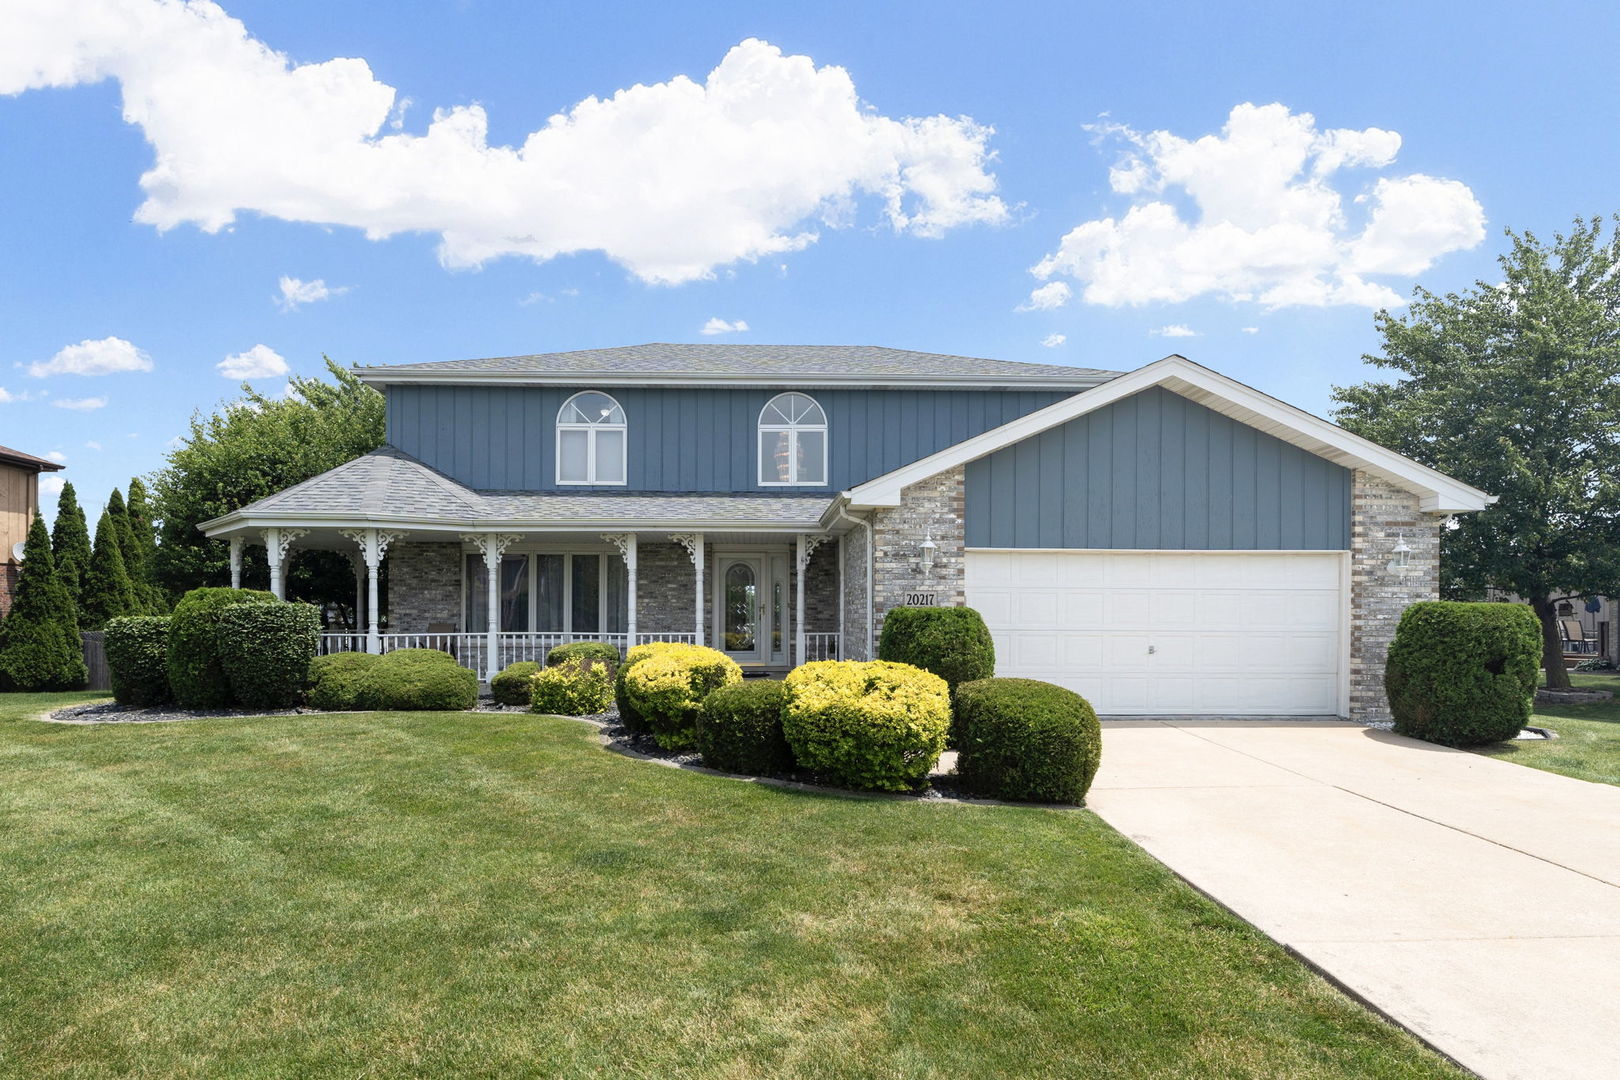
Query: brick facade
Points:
[424, 586]
[8, 586]
[665, 578]
[932, 508]
[1381, 517]
[852, 548]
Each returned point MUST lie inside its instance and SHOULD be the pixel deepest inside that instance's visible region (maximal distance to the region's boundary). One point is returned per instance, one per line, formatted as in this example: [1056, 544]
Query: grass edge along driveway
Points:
[467, 895]
[1588, 743]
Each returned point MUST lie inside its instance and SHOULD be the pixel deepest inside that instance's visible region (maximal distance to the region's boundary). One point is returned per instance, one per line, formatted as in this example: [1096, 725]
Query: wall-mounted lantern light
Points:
[1403, 555]
[926, 553]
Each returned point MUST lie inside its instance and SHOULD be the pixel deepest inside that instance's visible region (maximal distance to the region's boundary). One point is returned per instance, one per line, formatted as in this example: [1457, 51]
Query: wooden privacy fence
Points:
[95, 659]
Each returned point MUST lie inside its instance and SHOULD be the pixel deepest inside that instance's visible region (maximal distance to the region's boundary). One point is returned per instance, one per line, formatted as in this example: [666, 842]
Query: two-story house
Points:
[19, 502]
[1164, 541]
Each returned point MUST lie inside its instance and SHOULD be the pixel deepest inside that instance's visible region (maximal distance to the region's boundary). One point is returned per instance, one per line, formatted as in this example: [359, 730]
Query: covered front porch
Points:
[772, 580]
[769, 601]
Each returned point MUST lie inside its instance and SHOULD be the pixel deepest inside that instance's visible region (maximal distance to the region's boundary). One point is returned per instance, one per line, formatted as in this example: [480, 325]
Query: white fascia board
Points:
[385, 377]
[232, 524]
[1438, 492]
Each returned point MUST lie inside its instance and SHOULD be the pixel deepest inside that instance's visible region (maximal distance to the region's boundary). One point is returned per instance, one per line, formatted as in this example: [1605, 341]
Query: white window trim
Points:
[528, 552]
[591, 431]
[761, 428]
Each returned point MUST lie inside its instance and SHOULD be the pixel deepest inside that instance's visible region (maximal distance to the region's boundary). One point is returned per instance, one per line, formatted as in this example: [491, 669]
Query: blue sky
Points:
[759, 195]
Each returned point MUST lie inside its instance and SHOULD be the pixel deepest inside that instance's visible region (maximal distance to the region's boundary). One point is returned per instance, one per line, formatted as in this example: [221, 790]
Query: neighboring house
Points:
[1166, 541]
[19, 502]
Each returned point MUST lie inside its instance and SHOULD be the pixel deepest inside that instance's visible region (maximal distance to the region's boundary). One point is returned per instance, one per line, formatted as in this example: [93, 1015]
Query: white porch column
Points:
[693, 543]
[492, 546]
[237, 543]
[277, 543]
[626, 544]
[373, 546]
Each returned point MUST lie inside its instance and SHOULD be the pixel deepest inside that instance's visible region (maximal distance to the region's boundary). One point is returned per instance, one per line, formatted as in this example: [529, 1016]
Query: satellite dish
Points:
[17, 551]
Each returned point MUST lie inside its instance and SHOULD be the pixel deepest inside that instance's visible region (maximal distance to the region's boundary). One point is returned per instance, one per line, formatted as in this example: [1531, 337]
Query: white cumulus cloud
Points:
[56, 456]
[1052, 341]
[92, 445]
[1251, 329]
[718, 325]
[672, 179]
[7, 396]
[84, 404]
[103, 357]
[1174, 330]
[1054, 294]
[50, 484]
[259, 362]
[295, 292]
[1264, 220]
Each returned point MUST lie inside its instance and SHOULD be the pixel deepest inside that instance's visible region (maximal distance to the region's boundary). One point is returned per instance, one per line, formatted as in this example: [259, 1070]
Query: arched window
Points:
[792, 441]
[590, 440]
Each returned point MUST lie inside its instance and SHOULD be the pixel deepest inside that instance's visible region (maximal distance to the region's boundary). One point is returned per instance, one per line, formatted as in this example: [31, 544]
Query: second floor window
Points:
[590, 440]
[792, 441]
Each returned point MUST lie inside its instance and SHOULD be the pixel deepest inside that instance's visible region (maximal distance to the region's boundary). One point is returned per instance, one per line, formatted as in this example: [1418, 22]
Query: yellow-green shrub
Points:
[572, 688]
[628, 716]
[667, 686]
[874, 725]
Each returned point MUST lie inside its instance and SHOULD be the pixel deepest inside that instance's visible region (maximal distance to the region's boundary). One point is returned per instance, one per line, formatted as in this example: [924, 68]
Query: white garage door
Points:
[1168, 633]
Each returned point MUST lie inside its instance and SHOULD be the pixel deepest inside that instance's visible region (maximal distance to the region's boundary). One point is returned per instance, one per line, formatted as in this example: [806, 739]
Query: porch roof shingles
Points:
[388, 483]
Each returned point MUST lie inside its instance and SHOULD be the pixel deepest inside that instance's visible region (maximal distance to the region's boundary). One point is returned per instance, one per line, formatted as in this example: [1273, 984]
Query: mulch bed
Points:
[110, 712]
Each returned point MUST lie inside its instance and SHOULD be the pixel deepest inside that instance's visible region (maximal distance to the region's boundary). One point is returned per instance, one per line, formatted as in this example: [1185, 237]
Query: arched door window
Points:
[590, 440]
[792, 441]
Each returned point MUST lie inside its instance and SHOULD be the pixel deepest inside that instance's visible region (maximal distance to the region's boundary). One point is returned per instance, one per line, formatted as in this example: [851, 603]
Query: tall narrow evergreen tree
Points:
[107, 592]
[70, 542]
[142, 569]
[39, 641]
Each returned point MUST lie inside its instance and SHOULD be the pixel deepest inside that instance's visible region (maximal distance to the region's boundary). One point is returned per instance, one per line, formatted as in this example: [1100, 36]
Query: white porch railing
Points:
[334, 643]
[820, 647]
[688, 638]
[470, 650]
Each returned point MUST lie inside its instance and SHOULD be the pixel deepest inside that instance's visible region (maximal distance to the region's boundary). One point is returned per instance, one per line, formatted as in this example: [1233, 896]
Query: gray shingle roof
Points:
[794, 361]
[388, 483]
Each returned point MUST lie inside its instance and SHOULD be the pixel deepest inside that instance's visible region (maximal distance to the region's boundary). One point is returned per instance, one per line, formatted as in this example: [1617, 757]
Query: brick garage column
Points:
[1384, 517]
[929, 509]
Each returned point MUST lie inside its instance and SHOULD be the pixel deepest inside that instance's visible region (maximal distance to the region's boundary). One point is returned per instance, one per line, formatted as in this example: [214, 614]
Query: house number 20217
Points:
[922, 599]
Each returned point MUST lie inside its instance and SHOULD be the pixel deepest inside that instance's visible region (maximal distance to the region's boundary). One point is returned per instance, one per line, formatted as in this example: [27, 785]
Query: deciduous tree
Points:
[1514, 386]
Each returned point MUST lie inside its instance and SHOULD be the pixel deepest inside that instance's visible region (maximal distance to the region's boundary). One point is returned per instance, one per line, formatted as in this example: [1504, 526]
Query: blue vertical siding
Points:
[1157, 471]
[680, 439]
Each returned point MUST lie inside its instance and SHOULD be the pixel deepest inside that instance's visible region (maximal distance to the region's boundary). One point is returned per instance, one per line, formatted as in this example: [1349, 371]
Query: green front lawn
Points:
[455, 895]
[1588, 743]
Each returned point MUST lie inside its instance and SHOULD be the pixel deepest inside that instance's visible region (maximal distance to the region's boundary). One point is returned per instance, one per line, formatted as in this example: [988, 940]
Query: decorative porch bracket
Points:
[626, 543]
[373, 547]
[806, 543]
[693, 543]
[492, 546]
[278, 542]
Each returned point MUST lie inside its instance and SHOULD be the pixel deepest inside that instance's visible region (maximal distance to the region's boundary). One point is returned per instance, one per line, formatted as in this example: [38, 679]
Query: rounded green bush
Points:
[514, 683]
[265, 650]
[628, 716]
[666, 688]
[873, 725]
[579, 687]
[138, 659]
[952, 642]
[1462, 674]
[739, 728]
[408, 680]
[196, 673]
[1025, 740]
[598, 651]
[335, 681]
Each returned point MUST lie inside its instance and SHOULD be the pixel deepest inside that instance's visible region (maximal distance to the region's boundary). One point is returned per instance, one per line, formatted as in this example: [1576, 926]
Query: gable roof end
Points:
[1439, 493]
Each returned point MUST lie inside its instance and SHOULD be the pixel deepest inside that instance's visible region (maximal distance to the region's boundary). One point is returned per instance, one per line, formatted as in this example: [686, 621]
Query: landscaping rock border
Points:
[1575, 695]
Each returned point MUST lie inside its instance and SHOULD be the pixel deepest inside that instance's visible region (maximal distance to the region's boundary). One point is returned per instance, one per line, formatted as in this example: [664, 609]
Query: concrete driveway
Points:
[1474, 901]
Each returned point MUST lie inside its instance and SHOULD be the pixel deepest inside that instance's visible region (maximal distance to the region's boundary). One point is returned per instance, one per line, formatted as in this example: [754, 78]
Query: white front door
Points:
[741, 628]
[1170, 632]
